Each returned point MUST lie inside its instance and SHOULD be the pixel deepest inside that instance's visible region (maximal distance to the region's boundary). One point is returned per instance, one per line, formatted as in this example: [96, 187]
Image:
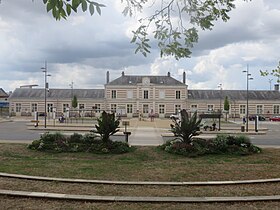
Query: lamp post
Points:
[248, 77]
[220, 86]
[45, 70]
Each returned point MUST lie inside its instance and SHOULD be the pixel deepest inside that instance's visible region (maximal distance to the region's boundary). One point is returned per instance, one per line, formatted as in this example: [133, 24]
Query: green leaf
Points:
[49, 7]
[91, 9]
[98, 10]
[84, 5]
[68, 9]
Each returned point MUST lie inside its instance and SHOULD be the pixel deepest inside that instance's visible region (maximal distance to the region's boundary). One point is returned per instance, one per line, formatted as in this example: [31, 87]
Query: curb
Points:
[137, 199]
[87, 181]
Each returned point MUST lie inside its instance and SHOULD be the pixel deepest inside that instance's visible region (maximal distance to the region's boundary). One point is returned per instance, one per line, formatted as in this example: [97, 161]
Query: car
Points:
[253, 117]
[274, 118]
[174, 116]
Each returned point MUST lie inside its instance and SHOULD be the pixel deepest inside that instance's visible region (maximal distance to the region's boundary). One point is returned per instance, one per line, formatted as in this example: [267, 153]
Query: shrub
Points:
[222, 144]
[77, 143]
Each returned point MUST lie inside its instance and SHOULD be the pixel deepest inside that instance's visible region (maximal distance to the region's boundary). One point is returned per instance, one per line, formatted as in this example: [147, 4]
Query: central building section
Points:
[131, 95]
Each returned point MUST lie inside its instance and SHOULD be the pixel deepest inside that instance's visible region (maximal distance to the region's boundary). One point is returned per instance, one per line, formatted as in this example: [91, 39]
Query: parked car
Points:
[253, 117]
[174, 116]
[274, 118]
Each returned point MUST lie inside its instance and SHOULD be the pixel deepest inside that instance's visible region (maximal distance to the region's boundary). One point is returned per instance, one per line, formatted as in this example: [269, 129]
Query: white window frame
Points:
[178, 94]
[129, 108]
[259, 109]
[145, 94]
[242, 109]
[161, 108]
[18, 107]
[114, 108]
[145, 108]
[276, 109]
[50, 107]
[210, 107]
[34, 107]
[65, 107]
[177, 107]
[113, 94]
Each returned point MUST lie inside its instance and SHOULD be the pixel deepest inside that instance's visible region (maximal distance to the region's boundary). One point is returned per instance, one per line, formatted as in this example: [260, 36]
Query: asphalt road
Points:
[17, 130]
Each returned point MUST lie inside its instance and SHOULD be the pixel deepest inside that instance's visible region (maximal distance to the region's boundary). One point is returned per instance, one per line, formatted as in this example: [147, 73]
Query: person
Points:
[244, 120]
[61, 119]
[214, 126]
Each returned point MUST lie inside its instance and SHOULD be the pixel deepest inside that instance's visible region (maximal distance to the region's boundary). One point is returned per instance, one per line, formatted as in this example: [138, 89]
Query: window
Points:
[177, 108]
[276, 109]
[146, 94]
[65, 107]
[161, 108]
[161, 94]
[194, 107]
[97, 107]
[34, 107]
[18, 107]
[178, 94]
[145, 108]
[129, 94]
[81, 106]
[242, 109]
[210, 107]
[259, 109]
[114, 94]
[129, 108]
[114, 108]
[49, 107]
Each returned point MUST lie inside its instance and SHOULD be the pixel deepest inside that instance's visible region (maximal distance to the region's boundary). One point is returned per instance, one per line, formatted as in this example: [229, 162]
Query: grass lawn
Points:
[144, 164]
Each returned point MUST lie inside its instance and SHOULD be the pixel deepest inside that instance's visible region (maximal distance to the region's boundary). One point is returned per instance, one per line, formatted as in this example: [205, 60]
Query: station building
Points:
[131, 95]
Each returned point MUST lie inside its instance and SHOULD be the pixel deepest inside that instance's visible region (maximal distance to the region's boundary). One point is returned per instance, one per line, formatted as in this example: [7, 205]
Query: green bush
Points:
[77, 143]
[222, 144]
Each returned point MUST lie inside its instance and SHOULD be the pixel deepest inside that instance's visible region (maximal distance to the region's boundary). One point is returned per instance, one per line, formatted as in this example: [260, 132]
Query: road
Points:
[17, 130]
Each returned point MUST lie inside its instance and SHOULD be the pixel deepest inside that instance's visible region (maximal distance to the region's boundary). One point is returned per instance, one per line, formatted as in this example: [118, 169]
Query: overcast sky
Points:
[84, 47]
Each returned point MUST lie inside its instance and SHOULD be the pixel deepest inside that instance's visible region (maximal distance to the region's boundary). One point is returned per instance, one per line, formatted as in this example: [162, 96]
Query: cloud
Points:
[83, 48]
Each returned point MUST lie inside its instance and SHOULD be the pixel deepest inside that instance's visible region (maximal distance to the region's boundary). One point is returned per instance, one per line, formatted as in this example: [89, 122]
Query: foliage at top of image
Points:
[274, 72]
[187, 127]
[173, 24]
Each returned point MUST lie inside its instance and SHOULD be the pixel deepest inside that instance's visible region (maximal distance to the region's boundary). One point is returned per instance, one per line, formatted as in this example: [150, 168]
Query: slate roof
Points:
[3, 94]
[134, 80]
[57, 93]
[234, 94]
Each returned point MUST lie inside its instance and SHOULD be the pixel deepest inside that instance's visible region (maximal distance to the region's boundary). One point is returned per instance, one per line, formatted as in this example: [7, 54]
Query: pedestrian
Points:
[244, 120]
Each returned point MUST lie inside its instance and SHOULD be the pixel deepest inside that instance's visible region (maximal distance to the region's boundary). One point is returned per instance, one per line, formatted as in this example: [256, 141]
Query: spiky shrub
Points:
[106, 126]
[187, 127]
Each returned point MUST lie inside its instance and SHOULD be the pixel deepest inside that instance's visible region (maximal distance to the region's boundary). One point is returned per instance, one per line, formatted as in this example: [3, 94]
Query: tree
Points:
[74, 101]
[106, 126]
[187, 127]
[174, 26]
[226, 106]
[273, 72]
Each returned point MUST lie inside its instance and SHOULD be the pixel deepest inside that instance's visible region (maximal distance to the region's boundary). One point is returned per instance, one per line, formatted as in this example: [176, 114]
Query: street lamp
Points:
[270, 80]
[220, 86]
[248, 77]
[45, 70]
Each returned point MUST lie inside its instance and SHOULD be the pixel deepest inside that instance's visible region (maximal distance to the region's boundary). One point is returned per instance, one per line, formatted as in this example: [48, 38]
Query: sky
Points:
[83, 48]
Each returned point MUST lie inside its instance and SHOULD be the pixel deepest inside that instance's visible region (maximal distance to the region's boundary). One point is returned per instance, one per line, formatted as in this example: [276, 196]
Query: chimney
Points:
[122, 73]
[184, 77]
[276, 87]
[168, 74]
[107, 77]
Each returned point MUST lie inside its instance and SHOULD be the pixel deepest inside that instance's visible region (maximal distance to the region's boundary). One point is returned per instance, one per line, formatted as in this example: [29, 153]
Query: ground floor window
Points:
[81, 106]
[242, 109]
[145, 108]
[49, 107]
[18, 107]
[259, 109]
[276, 109]
[194, 107]
[210, 107]
[65, 107]
[161, 108]
[114, 108]
[129, 108]
[34, 107]
[97, 107]
[177, 108]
